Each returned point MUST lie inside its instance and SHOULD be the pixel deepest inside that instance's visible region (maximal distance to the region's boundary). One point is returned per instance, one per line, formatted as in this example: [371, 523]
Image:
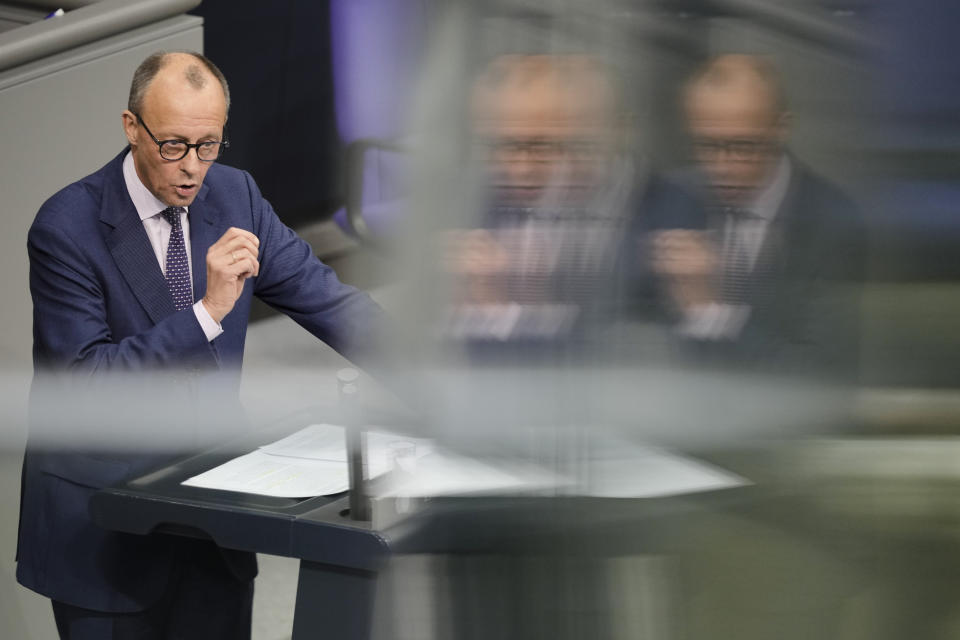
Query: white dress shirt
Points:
[752, 229]
[150, 210]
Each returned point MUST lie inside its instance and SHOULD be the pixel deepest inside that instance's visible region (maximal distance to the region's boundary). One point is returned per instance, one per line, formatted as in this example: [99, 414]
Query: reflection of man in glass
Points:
[549, 122]
[755, 282]
[738, 124]
[557, 186]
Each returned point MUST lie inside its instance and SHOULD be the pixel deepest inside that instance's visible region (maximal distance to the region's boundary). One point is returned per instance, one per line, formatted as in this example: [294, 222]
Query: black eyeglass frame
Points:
[744, 150]
[221, 144]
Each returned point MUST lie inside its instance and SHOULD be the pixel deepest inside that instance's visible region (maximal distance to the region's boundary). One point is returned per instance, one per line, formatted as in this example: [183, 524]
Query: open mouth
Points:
[185, 190]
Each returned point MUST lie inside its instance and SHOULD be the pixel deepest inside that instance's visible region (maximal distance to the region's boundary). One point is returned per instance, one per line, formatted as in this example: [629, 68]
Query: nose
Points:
[190, 163]
[720, 166]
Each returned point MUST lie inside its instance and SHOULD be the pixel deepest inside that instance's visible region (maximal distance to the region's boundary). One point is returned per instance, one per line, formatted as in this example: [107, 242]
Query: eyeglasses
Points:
[178, 149]
[545, 150]
[745, 150]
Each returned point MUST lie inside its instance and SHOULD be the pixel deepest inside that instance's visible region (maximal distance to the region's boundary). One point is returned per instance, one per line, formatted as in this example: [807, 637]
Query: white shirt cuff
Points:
[211, 328]
[714, 321]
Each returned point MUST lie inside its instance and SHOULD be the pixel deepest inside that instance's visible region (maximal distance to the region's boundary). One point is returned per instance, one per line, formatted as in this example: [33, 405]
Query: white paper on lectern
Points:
[621, 469]
[316, 442]
[313, 462]
[443, 473]
[310, 462]
[328, 442]
[276, 476]
[630, 472]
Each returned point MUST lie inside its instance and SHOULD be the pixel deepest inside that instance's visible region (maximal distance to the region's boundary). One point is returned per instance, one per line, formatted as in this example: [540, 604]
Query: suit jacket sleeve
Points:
[295, 282]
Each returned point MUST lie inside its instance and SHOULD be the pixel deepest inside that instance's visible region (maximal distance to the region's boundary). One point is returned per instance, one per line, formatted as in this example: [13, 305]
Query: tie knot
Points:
[172, 215]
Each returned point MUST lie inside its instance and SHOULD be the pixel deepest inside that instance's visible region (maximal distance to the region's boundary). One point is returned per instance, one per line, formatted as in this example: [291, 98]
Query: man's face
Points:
[737, 137]
[175, 110]
[546, 134]
[529, 158]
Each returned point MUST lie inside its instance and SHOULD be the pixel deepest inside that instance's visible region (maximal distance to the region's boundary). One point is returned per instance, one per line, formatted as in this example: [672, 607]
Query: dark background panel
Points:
[276, 56]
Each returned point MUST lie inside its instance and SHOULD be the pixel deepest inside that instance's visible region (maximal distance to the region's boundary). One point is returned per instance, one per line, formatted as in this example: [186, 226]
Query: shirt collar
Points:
[766, 203]
[147, 204]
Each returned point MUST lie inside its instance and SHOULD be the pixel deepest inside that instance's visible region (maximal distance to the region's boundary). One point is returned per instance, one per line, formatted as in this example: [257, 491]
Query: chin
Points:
[730, 195]
[176, 200]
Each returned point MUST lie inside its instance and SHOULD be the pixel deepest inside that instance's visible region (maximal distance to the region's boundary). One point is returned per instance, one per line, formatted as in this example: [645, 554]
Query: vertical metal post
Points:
[356, 445]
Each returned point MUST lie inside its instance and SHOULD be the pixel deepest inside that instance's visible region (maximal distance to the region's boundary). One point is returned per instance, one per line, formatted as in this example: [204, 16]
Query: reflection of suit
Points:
[101, 305]
[803, 314]
[657, 204]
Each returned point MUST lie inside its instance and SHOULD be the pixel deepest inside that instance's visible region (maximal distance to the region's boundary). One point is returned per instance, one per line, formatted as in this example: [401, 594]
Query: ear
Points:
[129, 126]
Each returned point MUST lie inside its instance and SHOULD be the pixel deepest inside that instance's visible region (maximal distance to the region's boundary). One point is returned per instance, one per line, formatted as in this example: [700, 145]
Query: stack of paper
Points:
[313, 462]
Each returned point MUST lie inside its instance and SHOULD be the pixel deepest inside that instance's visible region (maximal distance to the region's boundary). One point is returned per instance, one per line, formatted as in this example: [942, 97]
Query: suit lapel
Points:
[775, 249]
[777, 257]
[203, 233]
[130, 247]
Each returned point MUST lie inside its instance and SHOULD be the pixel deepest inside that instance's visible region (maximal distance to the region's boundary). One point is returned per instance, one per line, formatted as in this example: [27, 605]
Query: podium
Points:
[341, 558]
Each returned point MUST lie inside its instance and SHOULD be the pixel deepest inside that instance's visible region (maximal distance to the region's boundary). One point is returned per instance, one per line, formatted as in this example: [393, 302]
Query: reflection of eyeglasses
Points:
[741, 149]
[543, 150]
[177, 149]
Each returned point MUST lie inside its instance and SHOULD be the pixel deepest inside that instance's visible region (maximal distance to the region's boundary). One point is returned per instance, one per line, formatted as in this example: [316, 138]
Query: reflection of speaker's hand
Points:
[473, 252]
[687, 262]
[477, 262]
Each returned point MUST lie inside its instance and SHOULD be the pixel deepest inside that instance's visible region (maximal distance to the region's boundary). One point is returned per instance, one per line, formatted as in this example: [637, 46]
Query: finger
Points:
[240, 253]
[672, 243]
[248, 259]
[234, 237]
[251, 268]
[246, 234]
[670, 234]
[236, 232]
[244, 268]
[227, 263]
[229, 253]
[237, 243]
[222, 260]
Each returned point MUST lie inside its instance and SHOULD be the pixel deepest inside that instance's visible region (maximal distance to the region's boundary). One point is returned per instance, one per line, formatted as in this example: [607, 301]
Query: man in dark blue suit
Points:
[149, 266]
[767, 286]
[769, 281]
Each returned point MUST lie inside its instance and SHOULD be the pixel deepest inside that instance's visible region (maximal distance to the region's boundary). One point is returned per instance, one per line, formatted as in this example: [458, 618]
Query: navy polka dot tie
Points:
[178, 269]
[735, 277]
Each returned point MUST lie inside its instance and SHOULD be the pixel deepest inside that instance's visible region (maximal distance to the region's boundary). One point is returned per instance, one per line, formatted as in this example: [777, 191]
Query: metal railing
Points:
[83, 22]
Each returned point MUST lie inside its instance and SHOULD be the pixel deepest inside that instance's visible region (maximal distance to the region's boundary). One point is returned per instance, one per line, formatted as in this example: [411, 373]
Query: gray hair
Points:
[194, 74]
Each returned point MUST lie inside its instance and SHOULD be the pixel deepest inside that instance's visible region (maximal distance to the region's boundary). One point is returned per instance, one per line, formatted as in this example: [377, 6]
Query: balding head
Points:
[545, 88]
[550, 120]
[738, 120]
[194, 68]
[752, 79]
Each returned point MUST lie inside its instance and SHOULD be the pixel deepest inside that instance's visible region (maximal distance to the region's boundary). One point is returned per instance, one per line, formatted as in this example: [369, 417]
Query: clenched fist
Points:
[689, 263]
[230, 261]
[478, 264]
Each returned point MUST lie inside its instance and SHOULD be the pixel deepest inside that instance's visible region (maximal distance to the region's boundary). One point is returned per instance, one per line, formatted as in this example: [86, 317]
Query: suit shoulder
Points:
[222, 176]
[73, 203]
[232, 187]
[829, 200]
